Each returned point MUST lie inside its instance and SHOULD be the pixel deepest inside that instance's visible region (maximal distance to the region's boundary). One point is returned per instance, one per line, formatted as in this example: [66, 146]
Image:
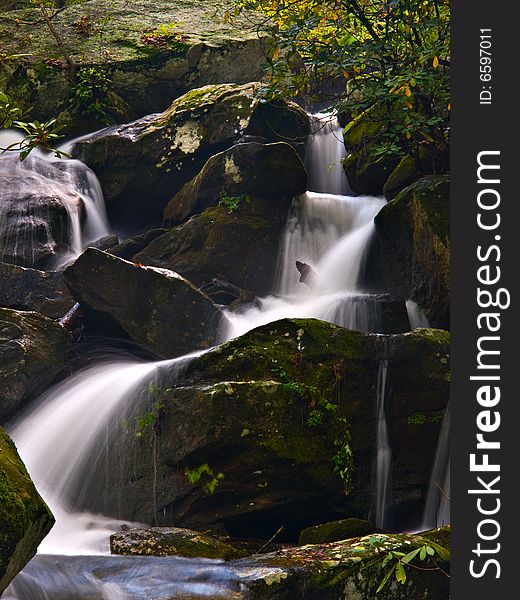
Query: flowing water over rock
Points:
[384, 451]
[50, 208]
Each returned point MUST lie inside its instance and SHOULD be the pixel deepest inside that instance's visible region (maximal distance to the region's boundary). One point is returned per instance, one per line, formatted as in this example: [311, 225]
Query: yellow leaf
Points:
[449, 105]
[276, 53]
[408, 91]
[435, 62]
[409, 105]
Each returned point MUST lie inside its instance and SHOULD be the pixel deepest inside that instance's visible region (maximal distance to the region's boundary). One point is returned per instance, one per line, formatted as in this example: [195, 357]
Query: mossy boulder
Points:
[151, 52]
[235, 246]
[24, 517]
[410, 253]
[366, 171]
[156, 308]
[29, 289]
[247, 170]
[334, 531]
[171, 541]
[141, 165]
[279, 427]
[348, 569]
[33, 349]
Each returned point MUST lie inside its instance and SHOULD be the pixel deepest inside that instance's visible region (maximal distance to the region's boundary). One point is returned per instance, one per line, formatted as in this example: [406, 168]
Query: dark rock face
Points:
[141, 165]
[335, 531]
[410, 253]
[238, 247]
[349, 569]
[24, 517]
[269, 171]
[29, 289]
[155, 307]
[33, 349]
[265, 419]
[170, 541]
[34, 222]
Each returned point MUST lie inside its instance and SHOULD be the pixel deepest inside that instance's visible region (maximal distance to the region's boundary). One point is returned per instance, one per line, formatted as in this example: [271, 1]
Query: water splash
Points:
[416, 315]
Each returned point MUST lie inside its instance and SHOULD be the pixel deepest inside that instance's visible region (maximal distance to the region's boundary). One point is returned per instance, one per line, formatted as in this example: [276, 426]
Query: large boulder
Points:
[410, 253]
[335, 531]
[35, 200]
[29, 289]
[24, 517]
[170, 541]
[279, 427]
[155, 307]
[151, 52]
[269, 171]
[239, 247]
[33, 349]
[142, 165]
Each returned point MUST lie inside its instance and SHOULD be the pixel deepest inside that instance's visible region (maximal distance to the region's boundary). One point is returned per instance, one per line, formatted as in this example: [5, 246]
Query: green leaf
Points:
[411, 555]
[400, 573]
[385, 579]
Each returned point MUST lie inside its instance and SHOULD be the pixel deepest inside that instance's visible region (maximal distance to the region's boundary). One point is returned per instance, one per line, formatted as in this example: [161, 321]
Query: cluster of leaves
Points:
[165, 37]
[231, 203]
[91, 93]
[36, 135]
[206, 473]
[150, 419]
[398, 561]
[390, 53]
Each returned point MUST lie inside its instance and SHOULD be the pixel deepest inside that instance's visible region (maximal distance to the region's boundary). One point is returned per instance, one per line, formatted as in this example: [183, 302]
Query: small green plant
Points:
[165, 37]
[91, 93]
[400, 561]
[231, 203]
[205, 472]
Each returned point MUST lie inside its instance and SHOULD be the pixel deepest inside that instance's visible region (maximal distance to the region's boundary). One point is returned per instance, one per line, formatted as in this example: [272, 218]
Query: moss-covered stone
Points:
[239, 247]
[410, 254]
[141, 165]
[33, 349]
[115, 37]
[349, 569]
[287, 414]
[334, 531]
[171, 541]
[269, 171]
[24, 517]
[155, 307]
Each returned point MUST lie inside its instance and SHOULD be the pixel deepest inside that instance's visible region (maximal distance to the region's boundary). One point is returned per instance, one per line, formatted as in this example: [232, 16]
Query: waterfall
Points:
[437, 507]
[63, 437]
[33, 195]
[325, 151]
[384, 451]
[416, 315]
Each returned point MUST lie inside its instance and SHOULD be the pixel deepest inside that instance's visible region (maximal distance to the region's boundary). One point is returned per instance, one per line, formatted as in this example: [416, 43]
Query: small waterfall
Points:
[63, 437]
[437, 507]
[384, 451]
[35, 196]
[326, 149]
[416, 315]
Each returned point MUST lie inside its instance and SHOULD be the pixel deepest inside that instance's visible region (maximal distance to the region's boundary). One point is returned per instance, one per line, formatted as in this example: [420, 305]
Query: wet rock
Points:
[239, 247]
[410, 253]
[131, 246]
[24, 517]
[141, 165]
[348, 569]
[269, 171]
[33, 349]
[334, 531]
[29, 289]
[155, 307]
[267, 426]
[171, 541]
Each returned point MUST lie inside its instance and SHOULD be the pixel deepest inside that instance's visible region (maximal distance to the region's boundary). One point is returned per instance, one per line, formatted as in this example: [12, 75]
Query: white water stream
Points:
[384, 451]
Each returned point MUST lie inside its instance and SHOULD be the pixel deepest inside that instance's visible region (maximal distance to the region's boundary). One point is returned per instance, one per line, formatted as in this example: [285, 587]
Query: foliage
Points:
[165, 37]
[393, 54]
[231, 203]
[204, 471]
[36, 134]
[91, 93]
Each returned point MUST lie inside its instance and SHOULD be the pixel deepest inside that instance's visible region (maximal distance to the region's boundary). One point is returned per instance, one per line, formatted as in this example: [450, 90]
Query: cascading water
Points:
[437, 507]
[416, 316]
[50, 208]
[384, 451]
